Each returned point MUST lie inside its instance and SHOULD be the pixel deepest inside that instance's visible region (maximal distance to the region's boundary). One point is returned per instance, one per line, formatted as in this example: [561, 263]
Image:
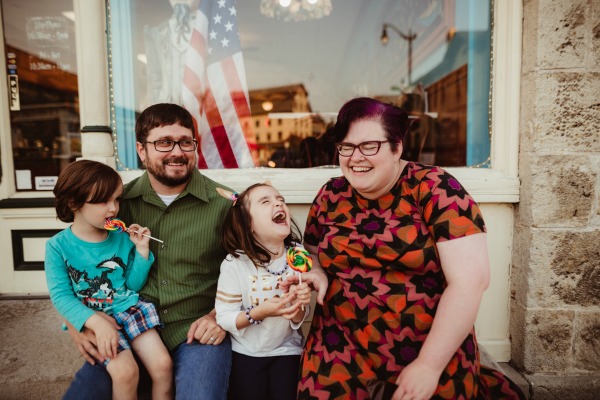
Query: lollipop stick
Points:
[148, 236]
[302, 307]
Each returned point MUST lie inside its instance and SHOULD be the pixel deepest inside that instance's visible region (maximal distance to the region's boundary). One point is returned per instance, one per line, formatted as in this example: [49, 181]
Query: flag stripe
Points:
[239, 98]
[201, 160]
[222, 93]
[215, 89]
[218, 130]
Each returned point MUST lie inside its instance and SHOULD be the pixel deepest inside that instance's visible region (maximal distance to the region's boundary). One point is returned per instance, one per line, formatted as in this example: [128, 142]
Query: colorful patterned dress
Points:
[385, 282]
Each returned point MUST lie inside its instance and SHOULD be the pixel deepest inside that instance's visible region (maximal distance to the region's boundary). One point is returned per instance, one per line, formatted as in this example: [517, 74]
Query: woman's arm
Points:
[466, 267]
[316, 276]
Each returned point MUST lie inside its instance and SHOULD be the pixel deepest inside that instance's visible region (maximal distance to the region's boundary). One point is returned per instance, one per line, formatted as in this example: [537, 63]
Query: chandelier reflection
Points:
[295, 10]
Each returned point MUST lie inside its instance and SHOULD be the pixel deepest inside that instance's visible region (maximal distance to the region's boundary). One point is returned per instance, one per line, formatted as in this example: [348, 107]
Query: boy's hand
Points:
[142, 243]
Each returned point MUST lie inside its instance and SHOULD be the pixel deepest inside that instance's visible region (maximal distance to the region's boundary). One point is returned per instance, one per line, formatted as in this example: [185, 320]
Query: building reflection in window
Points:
[435, 63]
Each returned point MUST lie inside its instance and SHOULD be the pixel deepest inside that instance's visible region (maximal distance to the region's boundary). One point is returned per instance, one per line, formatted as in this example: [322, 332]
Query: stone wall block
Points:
[517, 334]
[529, 130]
[547, 341]
[587, 340]
[564, 269]
[595, 58]
[562, 33]
[567, 116]
[520, 265]
[529, 37]
[562, 190]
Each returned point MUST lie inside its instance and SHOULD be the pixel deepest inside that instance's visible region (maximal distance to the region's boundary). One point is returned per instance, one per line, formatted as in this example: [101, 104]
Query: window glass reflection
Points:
[42, 76]
[431, 57]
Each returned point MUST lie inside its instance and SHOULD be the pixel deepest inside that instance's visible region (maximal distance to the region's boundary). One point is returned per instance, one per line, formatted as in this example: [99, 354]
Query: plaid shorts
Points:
[134, 321]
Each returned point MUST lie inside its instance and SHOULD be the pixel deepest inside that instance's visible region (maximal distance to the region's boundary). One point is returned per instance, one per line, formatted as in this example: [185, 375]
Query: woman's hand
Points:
[417, 381]
[318, 280]
[302, 292]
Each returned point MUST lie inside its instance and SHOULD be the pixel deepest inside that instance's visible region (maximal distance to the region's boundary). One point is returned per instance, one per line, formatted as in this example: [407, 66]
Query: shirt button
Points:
[164, 282]
[163, 247]
[164, 311]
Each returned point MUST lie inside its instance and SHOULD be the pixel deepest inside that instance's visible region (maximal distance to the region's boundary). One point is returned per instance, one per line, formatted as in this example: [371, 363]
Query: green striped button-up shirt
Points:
[182, 282]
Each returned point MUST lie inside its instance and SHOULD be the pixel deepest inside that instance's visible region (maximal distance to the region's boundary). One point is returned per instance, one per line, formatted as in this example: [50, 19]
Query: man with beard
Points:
[183, 208]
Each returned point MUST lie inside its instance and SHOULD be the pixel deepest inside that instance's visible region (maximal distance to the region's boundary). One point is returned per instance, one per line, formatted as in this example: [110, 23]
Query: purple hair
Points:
[393, 119]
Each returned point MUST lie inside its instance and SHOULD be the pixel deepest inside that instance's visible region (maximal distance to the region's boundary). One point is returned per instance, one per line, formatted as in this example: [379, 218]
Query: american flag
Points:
[215, 90]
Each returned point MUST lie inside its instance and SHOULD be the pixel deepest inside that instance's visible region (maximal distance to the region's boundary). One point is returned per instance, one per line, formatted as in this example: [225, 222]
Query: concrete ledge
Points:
[564, 386]
[506, 369]
[37, 358]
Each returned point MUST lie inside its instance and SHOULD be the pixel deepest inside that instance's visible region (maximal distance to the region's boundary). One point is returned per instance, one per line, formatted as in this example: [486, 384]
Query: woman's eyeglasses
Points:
[369, 148]
[166, 145]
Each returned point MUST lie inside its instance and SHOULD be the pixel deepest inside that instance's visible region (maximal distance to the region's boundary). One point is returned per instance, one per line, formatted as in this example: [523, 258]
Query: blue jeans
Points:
[200, 371]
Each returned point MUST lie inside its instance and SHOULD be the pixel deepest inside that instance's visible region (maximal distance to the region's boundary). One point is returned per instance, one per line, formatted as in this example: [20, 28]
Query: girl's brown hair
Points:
[237, 237]
[83, 182]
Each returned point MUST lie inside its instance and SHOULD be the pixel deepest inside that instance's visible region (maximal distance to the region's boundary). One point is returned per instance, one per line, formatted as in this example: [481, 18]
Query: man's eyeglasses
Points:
[369, 148]
[166, 145]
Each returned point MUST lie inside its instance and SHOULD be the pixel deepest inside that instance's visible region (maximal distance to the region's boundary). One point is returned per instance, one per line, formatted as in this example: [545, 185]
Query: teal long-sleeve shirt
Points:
[85, 277]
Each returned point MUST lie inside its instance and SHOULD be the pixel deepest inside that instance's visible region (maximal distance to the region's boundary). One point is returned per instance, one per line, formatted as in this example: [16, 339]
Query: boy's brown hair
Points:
[83, 182]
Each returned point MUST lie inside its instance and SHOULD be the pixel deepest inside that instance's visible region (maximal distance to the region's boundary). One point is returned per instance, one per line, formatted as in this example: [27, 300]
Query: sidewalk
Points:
[38, 359]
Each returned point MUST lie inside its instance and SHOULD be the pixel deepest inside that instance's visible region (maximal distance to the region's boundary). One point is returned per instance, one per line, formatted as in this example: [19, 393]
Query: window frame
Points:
[497, 184]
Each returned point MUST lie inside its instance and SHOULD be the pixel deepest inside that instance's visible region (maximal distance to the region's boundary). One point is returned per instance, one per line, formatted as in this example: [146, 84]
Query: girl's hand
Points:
[285, 306]
[416, 381]
[107, 336]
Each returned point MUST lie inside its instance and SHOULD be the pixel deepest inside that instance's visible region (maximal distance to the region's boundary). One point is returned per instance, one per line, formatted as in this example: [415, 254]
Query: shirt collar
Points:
[142, 187]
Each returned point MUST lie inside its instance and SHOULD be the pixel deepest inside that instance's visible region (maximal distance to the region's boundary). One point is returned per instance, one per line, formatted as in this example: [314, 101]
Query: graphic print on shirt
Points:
[264, 287]
[97, 291]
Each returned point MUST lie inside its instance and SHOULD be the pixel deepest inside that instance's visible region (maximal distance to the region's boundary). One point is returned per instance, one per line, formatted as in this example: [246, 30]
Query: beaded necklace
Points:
[285, 265]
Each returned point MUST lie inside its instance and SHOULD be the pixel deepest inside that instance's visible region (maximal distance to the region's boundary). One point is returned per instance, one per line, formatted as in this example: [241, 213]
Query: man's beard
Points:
[158, 172]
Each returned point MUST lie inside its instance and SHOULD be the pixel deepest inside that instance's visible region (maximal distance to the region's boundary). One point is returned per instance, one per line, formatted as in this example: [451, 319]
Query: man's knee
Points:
[90, 382]
[202, 371]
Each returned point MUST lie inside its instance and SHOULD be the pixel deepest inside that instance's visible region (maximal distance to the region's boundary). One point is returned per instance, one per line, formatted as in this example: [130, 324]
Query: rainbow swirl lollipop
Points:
[115, 224]
[298, 259]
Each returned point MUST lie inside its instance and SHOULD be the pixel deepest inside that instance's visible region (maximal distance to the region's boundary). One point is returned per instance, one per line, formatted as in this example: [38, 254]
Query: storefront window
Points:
[266, 97]
[43, 95]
